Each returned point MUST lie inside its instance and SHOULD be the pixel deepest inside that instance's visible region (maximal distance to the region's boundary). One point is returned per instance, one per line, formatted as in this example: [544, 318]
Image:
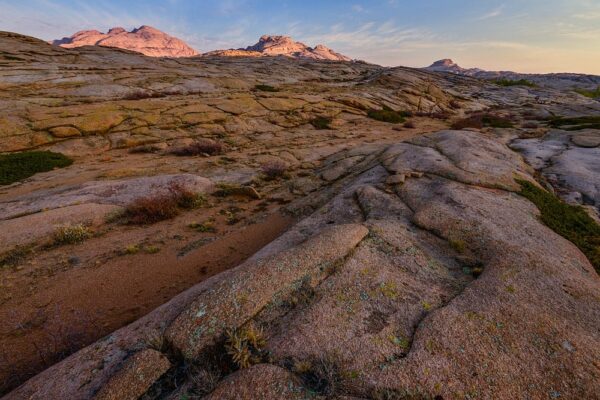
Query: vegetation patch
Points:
[388, 115]
[225, 189]
[481, 120]
[571, 222]
[148, 210]
[200, 147]
[15, 256]
[273, 169]
[594, 94]
[204, 227]
[511, 82]
[266, 88]
[246, 346]
[18, 166]
[71, 234]
[576, 123]
[321, 376]
[321, 123]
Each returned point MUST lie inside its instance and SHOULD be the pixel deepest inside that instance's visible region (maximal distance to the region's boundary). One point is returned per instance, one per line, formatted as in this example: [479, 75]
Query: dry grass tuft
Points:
[200, 147]
[71, 234]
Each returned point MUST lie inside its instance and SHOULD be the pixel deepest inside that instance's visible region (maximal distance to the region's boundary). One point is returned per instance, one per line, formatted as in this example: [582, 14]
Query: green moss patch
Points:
[571, 222]
[510, 82]
[18, 166]
[321, 123]
[594, 94]
[481, 120]
[576, 123]
[266, 88]
[388, 115]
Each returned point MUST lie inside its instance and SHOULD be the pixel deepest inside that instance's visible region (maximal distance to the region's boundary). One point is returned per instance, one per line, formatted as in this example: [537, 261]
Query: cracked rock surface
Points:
[444, 285]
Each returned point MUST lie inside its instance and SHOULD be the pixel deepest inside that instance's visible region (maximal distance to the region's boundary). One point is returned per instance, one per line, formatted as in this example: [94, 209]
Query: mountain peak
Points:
[446, 62]
[145, 39]
[281, 45]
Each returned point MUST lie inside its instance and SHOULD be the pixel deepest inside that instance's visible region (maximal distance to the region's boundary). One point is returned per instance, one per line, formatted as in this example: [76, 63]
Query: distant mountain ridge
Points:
[555, 80]
[155, 43]
[279, 45]
[145, 39]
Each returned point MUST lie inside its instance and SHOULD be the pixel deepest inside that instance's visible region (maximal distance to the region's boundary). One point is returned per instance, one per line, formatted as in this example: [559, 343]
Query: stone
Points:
[397, 179]
[140, 371]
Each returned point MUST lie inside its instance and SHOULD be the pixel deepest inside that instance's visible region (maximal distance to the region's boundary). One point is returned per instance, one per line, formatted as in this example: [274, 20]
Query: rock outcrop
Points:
[145, 39]
[426, 288]
[562, 81]
[269, 45]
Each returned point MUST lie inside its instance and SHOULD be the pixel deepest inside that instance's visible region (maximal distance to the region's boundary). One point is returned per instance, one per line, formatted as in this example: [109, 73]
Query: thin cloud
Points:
[492, 14]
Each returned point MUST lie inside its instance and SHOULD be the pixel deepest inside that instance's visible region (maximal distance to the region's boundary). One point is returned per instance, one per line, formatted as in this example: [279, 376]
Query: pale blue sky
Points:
[521, 35]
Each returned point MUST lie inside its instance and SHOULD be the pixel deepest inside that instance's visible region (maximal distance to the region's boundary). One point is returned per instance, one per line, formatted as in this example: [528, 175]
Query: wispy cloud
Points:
[496, 12]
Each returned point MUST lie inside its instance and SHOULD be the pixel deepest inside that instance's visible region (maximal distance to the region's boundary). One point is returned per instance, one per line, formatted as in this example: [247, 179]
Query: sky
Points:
[517, 35]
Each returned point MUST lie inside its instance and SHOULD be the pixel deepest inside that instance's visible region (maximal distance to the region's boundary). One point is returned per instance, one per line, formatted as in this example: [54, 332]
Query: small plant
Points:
[576, 123]
[226, 189]
[273, 169]
[185, 198]
[204, 227]
[458, 245]
[321, 376]
[148, 210]
[571, 222]
[200, 147]
[132, 249]
[388, 115]
[510, 82]
[152, 249]
[245, 346]
[480, 120]
[14, 256]
[71, 234]
[321, 123]
[266, 88]
[18, 166]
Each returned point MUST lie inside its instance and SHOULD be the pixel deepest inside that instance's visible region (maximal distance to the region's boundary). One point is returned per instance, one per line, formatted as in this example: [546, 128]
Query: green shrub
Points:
[571, 222]
[576, 123]
[510, 82]
[594, 94]
[480, 120]
[266, 88]
[321, 123]
[388, 115]
[18, 166]
[205, 227]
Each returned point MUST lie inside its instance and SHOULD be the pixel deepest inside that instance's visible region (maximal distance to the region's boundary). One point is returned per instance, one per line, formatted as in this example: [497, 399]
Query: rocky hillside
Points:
[563, 81]
[263, 228]
[145, 39]
[283, 46]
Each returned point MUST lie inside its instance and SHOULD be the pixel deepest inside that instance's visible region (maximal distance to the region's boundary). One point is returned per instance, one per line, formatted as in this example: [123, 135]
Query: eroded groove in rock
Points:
[231, 303]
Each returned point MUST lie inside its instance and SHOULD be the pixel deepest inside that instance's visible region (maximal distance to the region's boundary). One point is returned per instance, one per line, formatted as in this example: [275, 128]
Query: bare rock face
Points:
[563, 81]
[444, 286]
[145, 39]
[283, 46]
